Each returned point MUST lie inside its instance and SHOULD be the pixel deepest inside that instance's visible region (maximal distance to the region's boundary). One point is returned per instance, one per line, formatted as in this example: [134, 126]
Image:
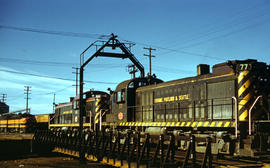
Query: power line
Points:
[53, 92]
[51, 63]
[69, 64]
[211, 31]
[214, 26]
[26, 61]
[176, 50]
[15, 98]
[213, 38]
[227, 34]
[225, 29]
[59, 33]
[43, 76]
[85, 35]
[171, 70]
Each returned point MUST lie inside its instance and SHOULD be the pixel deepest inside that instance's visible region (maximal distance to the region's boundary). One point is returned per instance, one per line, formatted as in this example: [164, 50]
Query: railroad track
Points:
[137, 150]
[221, 163]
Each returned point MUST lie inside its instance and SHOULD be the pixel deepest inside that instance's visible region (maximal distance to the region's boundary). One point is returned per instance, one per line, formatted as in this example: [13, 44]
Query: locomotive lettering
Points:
[172, 98]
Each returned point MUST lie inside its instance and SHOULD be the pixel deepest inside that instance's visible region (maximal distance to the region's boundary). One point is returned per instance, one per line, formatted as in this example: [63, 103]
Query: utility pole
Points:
[26, 91]
[4, 98]
[132, 70]
[76, 85]
[150, 56]
[53, 102]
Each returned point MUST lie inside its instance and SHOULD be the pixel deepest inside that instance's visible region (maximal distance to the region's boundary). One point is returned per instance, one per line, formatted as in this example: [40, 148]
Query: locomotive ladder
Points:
[131, 149]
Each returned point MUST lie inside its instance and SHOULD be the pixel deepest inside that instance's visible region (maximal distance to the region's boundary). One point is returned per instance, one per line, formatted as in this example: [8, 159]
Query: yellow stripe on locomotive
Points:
[194, 124]
[98, 110]
[244, 94]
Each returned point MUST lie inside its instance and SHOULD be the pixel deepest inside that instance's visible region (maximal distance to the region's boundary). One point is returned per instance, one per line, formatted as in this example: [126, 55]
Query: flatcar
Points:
[232, 104]
[96, 105]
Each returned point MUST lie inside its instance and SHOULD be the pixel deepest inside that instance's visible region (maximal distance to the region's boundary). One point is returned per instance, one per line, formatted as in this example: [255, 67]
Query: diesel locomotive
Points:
[230, 104]
[23, 122]
[66, 115]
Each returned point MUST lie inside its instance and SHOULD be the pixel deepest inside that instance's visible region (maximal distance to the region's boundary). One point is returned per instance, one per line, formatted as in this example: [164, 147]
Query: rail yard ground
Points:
[50, 161]
[15, 151]
[55, 160]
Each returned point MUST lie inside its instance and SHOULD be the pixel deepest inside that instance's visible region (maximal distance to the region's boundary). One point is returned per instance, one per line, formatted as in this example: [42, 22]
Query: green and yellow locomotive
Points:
[231, 104]
[67, 114]
[23, 122]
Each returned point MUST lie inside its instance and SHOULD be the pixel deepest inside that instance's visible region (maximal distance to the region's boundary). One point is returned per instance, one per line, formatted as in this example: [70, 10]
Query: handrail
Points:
[90, 120]
[100, 120]
[249, 114]
[235, 115]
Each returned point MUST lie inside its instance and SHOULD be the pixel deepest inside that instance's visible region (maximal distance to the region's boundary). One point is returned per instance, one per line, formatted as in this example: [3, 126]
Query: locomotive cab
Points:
[95, 107]
[123, 99]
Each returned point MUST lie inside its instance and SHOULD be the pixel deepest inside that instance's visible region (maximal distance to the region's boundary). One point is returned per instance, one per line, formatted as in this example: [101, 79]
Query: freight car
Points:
[231, 104]
[96, 105]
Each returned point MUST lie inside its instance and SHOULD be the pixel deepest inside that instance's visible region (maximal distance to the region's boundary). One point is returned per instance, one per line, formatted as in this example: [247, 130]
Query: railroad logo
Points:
[172, 98]
[120, 116]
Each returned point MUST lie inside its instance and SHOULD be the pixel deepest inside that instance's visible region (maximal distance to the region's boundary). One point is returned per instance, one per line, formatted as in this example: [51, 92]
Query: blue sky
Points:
[184, 33]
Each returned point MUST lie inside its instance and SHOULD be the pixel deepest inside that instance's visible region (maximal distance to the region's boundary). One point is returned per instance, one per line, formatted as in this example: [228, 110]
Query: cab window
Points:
[76, 105]
[120, 96]
[131, 85]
